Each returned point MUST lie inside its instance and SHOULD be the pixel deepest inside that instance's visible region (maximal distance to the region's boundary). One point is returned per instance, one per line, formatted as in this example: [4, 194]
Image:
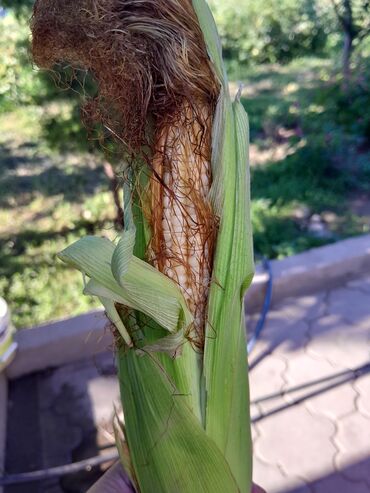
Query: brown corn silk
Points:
[156, 95]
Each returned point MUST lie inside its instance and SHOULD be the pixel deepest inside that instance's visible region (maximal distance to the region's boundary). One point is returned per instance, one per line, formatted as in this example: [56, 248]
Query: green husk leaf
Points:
[171, 345]
[122, 255]
[122, 447]
[169, 449]
[142, 288]
[211, 38]
[114, 317]
[225, 359]
[217, 192]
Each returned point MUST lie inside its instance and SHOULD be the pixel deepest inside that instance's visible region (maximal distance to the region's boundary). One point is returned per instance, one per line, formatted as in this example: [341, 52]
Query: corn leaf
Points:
[114, 317]
[122, 255]
[211, 38]
[213, 43]
[142, 287]
[122, 447]
[169, 449]
[225, 359]
[171, 345]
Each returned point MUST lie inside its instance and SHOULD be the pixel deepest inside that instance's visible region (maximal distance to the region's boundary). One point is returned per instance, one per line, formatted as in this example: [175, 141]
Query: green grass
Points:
[310, 157]
[46, 202]
[310, 152]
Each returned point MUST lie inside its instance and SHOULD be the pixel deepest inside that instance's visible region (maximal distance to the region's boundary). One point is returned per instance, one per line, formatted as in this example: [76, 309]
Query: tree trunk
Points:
[349, 36]
[347, 52]
[115, 188]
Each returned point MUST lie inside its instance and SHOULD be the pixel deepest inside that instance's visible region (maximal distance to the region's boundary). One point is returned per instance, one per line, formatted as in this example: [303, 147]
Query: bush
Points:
[276, 31]
[308, 176]
[352, 108]
[18, 82]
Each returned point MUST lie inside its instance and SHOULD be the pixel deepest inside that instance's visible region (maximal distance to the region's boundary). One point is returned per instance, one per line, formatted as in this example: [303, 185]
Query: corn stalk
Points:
[174, 282]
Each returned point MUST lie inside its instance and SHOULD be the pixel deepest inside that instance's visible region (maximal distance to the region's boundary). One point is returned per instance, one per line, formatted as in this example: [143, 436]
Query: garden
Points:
[310, 146]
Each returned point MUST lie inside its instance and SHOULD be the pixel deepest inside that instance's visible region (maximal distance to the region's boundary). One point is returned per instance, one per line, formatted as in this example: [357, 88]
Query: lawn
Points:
[310, 157]
[46, 202]
[310, 171]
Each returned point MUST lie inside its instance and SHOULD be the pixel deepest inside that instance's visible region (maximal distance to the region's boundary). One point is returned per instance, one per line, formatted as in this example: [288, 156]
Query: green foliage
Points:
[46, 201]
[350, 108]
[297, 107]
[276, 31]
[277, 234]
[18, 82]
[20, 8]
[307, 176]
[62, 128]
[321, 158]
[353, 15]
[59, 93]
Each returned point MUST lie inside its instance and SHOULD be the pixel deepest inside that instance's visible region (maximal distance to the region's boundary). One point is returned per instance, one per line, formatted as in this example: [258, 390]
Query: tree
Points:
[281, 31]
[354, 19]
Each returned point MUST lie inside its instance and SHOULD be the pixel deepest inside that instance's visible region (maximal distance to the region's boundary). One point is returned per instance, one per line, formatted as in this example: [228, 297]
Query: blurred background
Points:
[305, 67]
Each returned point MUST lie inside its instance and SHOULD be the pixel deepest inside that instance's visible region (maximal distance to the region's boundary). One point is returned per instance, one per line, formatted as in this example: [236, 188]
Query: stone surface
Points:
[362, 386]
[61, 416]
[351, 305]
[313, 271]
[273, 479]
[353, 442]
[296, 442]
[337, 484]
[328, 390]
[334, 403]
[363, 284]
[267, 380]
[310, 387]
[332, 337]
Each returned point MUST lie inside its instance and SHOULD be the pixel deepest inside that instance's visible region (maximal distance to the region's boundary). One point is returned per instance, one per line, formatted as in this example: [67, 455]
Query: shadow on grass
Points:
[308, 176]
[22, 176]
[13, 249]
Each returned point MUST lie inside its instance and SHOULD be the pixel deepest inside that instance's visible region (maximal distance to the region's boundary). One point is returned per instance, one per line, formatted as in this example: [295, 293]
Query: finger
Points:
[113, 481]
[257, 489]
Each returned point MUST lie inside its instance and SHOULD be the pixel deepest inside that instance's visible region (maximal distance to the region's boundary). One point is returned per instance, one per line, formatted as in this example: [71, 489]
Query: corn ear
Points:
[186, 408]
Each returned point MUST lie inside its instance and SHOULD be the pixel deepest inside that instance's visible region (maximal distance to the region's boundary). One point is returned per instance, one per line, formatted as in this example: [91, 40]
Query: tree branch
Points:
[346, 20]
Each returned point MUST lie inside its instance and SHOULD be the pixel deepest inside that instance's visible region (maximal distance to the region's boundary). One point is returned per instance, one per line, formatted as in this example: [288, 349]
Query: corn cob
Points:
[182, 220]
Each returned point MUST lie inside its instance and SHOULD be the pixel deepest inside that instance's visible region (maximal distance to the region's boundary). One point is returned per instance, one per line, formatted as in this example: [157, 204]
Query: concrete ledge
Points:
[59, 343]
[313, 270]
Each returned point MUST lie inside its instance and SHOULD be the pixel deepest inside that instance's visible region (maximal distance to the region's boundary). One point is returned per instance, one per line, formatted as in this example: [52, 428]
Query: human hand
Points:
[113, 481]
[257, 489]
[116, 481]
